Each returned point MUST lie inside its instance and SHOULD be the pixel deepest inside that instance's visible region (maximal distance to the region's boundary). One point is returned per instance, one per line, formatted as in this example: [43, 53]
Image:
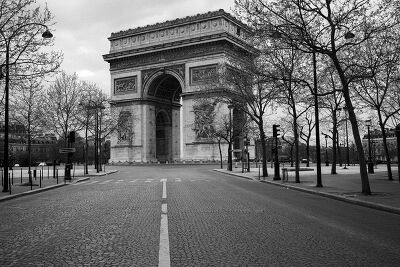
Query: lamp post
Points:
[370, 163]
[99, 142]
[397, 130]
[317, 140]
[7, 40]
[92, 105]
[347, 141]
[230, 106]
[326, 150]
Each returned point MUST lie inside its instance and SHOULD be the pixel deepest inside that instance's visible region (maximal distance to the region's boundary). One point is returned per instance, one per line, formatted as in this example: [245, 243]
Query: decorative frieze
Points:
[126, 85]
[176, 54]
[203, 74]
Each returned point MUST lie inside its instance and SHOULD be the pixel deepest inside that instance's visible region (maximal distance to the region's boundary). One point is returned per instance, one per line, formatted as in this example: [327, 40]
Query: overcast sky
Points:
[83, 26]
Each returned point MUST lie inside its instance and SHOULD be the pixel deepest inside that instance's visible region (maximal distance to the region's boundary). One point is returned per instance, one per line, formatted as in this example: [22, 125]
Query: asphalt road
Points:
[212, 220]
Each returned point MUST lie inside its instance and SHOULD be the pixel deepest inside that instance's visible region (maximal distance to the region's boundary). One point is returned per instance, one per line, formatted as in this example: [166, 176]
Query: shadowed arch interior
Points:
[166, 87]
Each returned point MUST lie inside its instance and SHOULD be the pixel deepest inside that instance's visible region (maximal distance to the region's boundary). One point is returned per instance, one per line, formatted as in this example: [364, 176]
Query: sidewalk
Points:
[19, 179]
[344, 186]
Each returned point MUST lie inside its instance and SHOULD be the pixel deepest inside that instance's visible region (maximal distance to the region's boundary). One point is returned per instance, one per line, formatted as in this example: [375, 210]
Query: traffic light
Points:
[275, 130]
[71, 137]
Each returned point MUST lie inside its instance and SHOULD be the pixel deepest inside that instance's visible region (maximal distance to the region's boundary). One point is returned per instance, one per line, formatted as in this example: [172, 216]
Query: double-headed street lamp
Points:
[230, 107]
[370, 163]
[98, 107]
[7, 42]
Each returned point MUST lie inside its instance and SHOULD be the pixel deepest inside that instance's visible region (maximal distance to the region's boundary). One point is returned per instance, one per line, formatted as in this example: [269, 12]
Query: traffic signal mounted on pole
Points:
[275, 130]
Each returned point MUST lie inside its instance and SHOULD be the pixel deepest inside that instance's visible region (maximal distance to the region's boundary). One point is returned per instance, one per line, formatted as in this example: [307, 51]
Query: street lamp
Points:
[230, 107]
[347, 141]
[370, 163]
[92, 105]
[397, 130]
[317, 140]
[7, 41]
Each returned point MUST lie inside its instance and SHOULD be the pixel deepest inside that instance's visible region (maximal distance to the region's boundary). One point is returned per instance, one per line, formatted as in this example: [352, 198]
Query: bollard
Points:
[57, 175]
[9, 184]
[40, 182]
[12, 177]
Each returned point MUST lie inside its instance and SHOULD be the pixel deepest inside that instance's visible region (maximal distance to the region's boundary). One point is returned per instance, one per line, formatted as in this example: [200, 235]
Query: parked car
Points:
[17, 165]
[305, 161]
[42, 164]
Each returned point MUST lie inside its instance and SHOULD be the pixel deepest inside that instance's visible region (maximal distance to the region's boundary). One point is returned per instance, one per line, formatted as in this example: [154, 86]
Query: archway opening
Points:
[165, 91]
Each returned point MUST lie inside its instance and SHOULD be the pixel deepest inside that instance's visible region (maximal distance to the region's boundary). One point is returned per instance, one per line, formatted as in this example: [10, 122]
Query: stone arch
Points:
[154, 78]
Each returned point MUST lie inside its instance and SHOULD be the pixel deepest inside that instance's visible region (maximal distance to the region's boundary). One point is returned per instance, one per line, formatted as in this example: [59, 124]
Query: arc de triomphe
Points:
[156, 72]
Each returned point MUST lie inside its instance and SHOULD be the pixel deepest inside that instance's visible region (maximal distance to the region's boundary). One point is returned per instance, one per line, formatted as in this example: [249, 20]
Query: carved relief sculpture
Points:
[125, 85]
[125, 128]
[204, 115]
[203, 74]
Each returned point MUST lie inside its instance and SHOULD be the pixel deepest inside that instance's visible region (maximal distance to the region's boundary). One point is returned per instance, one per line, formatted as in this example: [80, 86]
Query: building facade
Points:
[43, 147]
[157, 73]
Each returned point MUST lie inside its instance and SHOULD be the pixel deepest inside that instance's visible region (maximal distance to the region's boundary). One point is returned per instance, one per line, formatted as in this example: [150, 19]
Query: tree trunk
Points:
[308, 151]
[296, 146]
[339, 152]
[387, 156]
[334, 135]
[354, 125]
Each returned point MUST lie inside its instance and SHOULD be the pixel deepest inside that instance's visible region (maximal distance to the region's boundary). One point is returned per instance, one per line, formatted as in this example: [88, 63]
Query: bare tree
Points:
[21, 23]
[27, 106]
[62, 105]
[251, 91]
[381, 92]
[284, 66]
[306, 130]
[325, 27]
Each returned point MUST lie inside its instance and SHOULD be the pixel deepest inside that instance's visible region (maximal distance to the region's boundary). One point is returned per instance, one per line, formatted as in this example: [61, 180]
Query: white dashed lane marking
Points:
[163, 254]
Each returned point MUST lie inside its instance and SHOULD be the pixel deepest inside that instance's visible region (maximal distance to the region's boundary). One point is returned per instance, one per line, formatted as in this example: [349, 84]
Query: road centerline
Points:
[163, 254]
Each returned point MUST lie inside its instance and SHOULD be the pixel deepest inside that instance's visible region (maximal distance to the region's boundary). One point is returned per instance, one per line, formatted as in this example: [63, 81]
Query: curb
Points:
[325, 194]
[31, 192]
[39, 190]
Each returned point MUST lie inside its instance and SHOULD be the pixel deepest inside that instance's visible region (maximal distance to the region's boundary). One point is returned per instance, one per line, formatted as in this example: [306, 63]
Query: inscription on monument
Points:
[203, 74]
[125, 85]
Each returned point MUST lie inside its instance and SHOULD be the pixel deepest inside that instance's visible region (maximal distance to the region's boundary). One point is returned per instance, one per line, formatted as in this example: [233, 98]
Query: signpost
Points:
[67, 150]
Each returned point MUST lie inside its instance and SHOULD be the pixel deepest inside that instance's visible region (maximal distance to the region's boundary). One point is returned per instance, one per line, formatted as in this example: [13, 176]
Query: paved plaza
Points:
[194, 215]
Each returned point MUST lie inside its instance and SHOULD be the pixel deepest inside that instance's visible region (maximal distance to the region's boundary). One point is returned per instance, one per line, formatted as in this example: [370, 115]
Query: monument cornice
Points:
[182, 43]
[179, 22]
[180, 53]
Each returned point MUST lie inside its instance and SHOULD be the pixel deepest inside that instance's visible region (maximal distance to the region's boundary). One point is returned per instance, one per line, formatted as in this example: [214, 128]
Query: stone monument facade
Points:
[157, 72]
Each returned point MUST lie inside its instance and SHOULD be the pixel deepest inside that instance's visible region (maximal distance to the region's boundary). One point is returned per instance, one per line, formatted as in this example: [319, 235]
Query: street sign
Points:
[67, 150]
